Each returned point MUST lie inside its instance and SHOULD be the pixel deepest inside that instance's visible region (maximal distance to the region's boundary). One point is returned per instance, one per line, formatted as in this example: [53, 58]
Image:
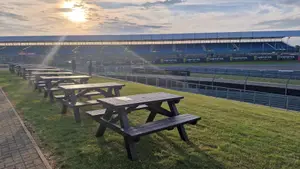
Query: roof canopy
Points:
[154, 37]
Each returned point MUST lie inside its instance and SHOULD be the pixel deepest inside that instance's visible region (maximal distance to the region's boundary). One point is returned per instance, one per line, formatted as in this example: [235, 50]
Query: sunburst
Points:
[77, 12]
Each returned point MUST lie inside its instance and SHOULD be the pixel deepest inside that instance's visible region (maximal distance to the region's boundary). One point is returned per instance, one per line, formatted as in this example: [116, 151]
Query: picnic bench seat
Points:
[86, 103]
[41, 82]
[163, 124]
[41, 85]
[53, 89]
[101, 112]
[29, 77]
[85, 95]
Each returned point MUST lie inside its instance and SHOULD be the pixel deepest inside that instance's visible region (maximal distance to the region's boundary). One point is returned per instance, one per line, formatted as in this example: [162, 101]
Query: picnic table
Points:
[30, 70]
[37, 80]
[17, 69]
[51, 87]
[118, 108]
[12, 67]
[71, 97]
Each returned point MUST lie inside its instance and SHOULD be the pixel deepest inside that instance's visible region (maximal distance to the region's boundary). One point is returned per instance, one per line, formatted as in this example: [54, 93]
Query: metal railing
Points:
[261, 98]
[280, 74]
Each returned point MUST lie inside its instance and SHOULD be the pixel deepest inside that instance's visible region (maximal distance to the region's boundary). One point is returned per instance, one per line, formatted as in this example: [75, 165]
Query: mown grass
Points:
[230, 135]
[254, 79]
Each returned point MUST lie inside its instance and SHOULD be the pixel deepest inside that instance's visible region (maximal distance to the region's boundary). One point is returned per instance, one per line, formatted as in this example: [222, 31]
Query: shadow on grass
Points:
[156, 151]
[74, 145]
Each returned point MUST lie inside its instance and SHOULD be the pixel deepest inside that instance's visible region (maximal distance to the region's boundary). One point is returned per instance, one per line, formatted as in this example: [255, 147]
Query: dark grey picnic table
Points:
[37, 76]
[12, 67]
[77, 79]
[118, 108]
[28, 71]
[71, 97]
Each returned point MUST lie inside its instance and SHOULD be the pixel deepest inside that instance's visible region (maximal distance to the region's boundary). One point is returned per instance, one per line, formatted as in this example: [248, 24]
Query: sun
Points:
[76, 14]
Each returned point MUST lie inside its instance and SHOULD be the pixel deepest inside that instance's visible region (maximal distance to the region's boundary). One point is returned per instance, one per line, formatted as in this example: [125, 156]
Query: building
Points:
[155, 48]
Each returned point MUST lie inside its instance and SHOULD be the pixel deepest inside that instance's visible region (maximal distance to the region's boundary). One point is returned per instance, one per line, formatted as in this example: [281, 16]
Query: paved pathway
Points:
[18, 150]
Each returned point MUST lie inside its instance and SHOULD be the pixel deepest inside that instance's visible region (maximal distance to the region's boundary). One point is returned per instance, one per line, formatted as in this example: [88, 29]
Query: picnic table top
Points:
[90, 86]
[64, 77]
[52, 73]
[42, 69]
[139, 99]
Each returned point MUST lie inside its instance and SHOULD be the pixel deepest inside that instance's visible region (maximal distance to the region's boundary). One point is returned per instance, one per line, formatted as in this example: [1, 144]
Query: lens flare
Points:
[77, 12]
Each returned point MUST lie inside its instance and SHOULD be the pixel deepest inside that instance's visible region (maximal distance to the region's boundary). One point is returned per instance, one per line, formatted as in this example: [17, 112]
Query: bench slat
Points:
[92, 94]
[101, 112]
[52, 89]
[159, 125]
[86, 103]
[87, 94]
[94, 113]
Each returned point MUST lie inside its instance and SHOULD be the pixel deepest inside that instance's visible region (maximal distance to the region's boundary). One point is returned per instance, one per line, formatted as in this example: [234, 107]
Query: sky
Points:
[82, 17]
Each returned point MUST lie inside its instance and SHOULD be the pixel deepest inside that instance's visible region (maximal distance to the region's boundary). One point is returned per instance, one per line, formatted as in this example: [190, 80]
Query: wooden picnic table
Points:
[118, 108]
[19, 68]
[49, 86]
[36, 79]
[71, 97]
[30, 70]
[12, 67]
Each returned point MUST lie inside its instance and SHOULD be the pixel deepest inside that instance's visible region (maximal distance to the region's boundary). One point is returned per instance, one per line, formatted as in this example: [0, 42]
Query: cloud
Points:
[117, 5]
[138, 16]
[132, 27]
[50, 1]
[166, 2]
[63, 10]
[290, 2]
[46, 17]
[13, 16]
[281, 23]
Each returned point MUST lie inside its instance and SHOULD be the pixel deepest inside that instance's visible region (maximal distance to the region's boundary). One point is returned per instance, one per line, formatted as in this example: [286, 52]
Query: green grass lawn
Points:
[255, 79]
[230, 135]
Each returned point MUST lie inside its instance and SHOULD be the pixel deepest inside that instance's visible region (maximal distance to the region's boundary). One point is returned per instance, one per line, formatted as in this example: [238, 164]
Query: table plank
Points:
[139, 99]
[51, 73]
[43, 69]
[64, 77]
[91, 86]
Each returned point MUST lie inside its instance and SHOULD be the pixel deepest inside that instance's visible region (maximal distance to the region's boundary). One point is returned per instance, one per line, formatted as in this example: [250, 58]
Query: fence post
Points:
[245, 83]
[146, 80]
[185, 78]
[240, 95]
[269, 100]
[227, 92]
[254, 97]
[157, 82]
[287, 103]
[286, 86]
[136, 79]
[216, 92]
[166, 83]
[213, 80]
